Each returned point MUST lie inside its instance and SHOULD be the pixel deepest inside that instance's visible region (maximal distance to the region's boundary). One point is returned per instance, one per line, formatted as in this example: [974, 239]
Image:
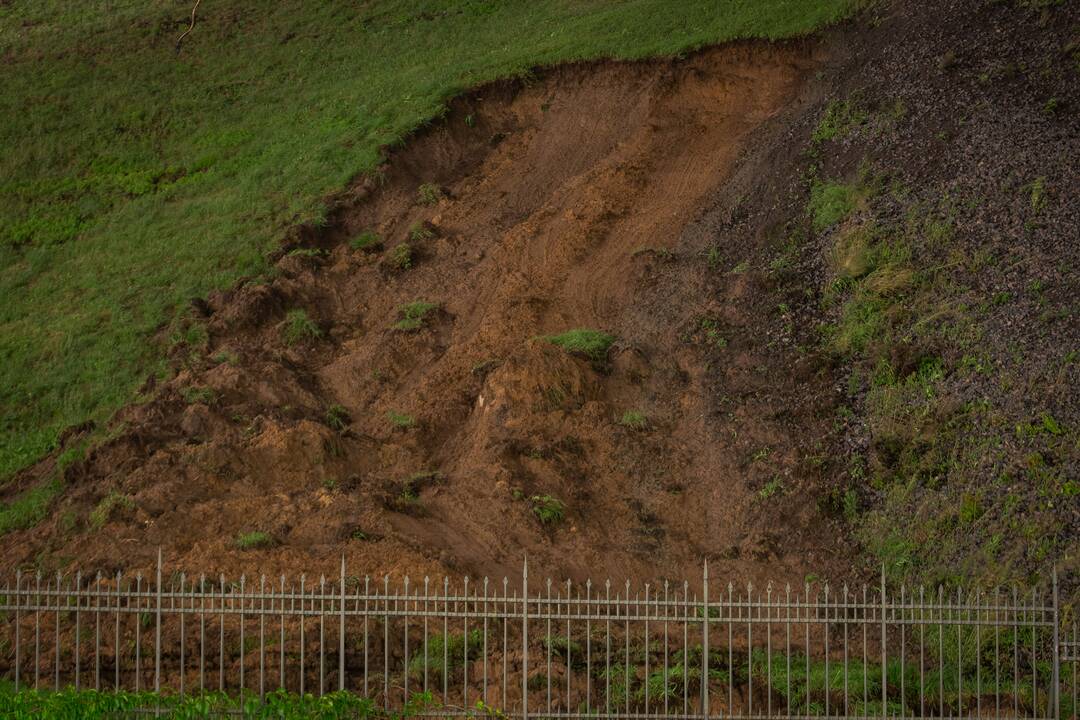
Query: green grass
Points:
[400, 258]
[841, 118]
[254, 540]
[29, 508]
[367, 240]
[634, 419]
[414, 314]
[444, 654]
[110, 504]
[400, 420]
[299, 328]
[91, 705]
[135, 179]
[337, 418]
[593, 344]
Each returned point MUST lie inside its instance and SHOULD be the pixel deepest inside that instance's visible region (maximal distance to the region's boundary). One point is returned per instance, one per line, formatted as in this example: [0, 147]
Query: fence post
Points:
[704, 641]
[341, 630]
[884, 660]
[1055, 687]
[525, 639]
[157, 632]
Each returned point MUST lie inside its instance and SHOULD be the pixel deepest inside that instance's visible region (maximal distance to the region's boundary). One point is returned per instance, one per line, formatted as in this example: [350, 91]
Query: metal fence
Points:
[553, 650]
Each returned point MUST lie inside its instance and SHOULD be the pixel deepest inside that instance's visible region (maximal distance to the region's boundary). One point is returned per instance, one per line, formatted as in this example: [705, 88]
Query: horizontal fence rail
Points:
[551, 650]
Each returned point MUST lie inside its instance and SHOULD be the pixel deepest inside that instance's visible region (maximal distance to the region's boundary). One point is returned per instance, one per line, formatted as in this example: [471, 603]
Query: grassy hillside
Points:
[136, 179]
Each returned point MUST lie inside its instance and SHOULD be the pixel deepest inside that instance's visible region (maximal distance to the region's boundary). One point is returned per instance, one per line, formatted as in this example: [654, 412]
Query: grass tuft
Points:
[109, 505]
[400, 420]
[634, 419]
[257, 540]
[414, 315]
[593, 344]
[299, 328]
[367, 240]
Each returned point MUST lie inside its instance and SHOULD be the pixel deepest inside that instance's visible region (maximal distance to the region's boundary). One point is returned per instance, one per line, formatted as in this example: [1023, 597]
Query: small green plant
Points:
[337, 417]
[414, 314]
[110, 504]
[445, 653]
[760, 455]
[740, 268]
[225, 356]
[367, 240]
[1038, 197]
[329, 484]
[773, 487]
[254, 540]
[298, 327]
[400, 420]
[593, 344]
[841, 117]
[547, 509]
[634, 419]
[420, 232]
[400, 258]
[831, 202]
[713, 258]
[194, 395]
[429, 193]
[307, 252]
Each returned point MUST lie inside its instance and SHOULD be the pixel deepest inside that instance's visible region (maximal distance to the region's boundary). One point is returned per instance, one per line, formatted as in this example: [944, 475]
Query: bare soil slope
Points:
[575, 200]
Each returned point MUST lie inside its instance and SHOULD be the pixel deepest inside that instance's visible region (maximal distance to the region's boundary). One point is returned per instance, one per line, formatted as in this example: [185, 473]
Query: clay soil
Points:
[579, 199]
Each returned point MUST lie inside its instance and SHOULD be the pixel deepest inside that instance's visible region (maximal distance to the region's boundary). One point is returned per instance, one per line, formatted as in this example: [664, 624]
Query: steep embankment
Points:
[304, 409]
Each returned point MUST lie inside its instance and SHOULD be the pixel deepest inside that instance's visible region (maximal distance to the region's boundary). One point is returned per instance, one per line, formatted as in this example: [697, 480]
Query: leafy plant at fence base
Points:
[445, 653]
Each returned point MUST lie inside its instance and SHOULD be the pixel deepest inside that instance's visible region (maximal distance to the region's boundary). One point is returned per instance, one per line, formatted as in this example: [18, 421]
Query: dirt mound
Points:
[390, 392]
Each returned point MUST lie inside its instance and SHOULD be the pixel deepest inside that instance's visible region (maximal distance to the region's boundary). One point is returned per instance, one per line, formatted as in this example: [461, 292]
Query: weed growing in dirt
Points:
[194, 395]
[430, 194]
[444, 653]
[414, 314]
[400, 258]
[225, 356]
[337, 418]
[110, 504]
[254, 541]
[400, 420]
[307, 252]
[367, 240]
[420, 232]
[298, 327]
[549, 510]
[841, 117]
[830, 202]
[775, 486]
[593, 344]
[634, 419]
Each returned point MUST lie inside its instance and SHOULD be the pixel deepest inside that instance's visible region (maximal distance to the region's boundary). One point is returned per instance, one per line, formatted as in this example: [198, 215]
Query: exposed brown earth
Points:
[567, 202]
